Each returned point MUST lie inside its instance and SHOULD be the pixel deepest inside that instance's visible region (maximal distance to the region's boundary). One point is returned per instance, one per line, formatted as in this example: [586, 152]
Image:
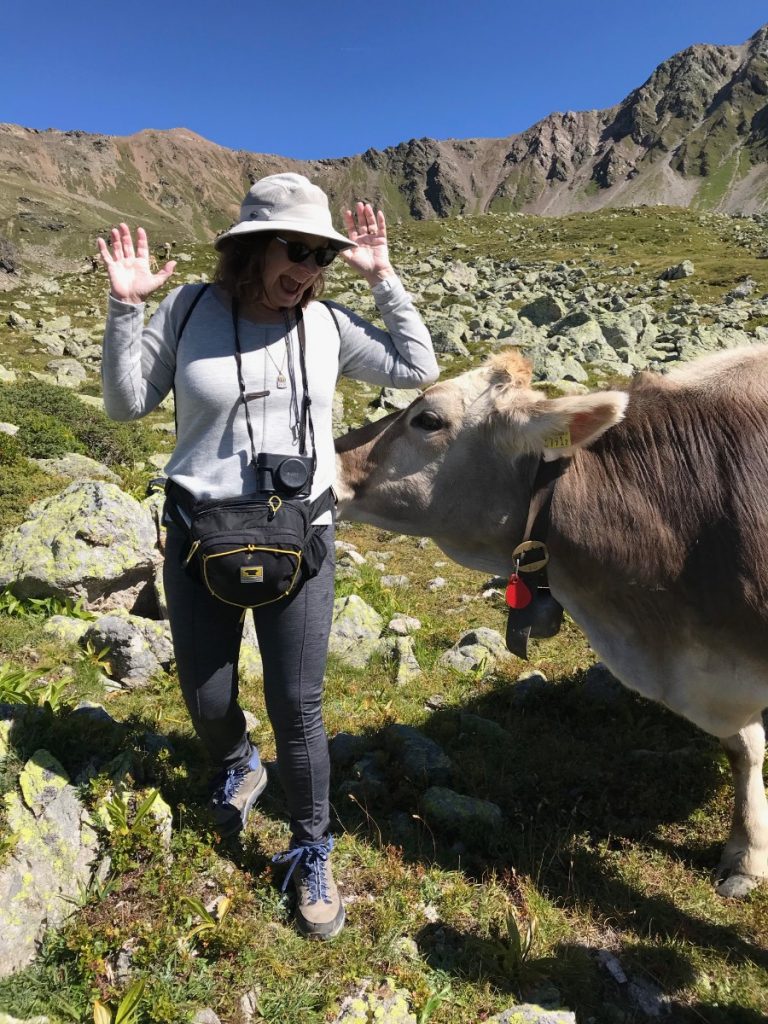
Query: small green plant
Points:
[434, 1000]
[118, 810]
[210, 923]
[41, 607]
[132, 833]
[519, 943]
[94, 891]
[128, 1010]
[17, 684]
[98, 659]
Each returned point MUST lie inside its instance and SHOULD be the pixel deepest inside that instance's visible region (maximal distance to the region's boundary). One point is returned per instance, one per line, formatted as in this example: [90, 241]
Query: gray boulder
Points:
[448, 336]
[476, 652]
[92, 540]
[408, 667]
[138, 648]
[68, 372]
[397, 398]
[678, 271]
[417, 757]
[77, 467]
[544, 309]
[459, 277]
[53, 854]
[455, 812]
[65, 628]
[355, 631]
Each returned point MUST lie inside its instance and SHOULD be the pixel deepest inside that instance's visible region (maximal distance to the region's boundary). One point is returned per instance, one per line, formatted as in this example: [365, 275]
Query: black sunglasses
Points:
[298, 252]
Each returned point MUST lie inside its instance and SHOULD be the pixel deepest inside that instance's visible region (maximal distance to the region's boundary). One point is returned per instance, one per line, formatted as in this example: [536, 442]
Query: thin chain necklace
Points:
[282, 380]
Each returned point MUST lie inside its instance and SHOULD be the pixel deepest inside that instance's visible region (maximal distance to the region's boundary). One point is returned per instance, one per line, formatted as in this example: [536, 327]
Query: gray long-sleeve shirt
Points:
[212, 457]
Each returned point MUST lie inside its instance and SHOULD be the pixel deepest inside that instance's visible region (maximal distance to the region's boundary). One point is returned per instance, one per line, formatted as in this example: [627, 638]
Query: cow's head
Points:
[458, 463]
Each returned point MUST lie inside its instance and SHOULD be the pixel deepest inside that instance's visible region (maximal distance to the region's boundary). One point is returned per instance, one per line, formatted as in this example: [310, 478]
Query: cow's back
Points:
[667, 513]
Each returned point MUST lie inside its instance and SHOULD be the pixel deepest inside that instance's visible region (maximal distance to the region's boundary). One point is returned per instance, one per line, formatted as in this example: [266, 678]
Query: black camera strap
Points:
[305, 416]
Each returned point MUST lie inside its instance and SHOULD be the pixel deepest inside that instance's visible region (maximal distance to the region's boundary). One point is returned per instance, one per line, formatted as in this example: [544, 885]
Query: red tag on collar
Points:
[517, 594]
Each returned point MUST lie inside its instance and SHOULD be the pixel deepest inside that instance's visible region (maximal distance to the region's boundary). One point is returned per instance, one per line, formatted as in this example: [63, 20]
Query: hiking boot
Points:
[319, 910]
[234, 791]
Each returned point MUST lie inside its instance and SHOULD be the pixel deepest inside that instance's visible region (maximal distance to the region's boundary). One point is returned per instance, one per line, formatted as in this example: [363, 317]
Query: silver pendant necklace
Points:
[282, 380]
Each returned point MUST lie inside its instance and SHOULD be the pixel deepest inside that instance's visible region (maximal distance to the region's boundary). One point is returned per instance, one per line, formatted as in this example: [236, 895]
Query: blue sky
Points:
[332, 78]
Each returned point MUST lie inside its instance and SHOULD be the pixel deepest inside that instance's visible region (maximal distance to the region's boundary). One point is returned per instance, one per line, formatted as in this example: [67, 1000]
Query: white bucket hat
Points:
[286, 202]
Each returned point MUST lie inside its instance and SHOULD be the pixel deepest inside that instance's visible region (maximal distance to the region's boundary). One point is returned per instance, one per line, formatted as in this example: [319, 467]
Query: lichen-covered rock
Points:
[138, 648]
[65, 628]
[397, 398]
[476, 652]
[448, 336]
[78, 467]
[383, 1005]
[355, 630]
[417, 757]
[459, 276]
[6, 1018]
[529, 1013]
[53, 853]
[90, 541]
[408, 667]
[404, 625]
[455, 812]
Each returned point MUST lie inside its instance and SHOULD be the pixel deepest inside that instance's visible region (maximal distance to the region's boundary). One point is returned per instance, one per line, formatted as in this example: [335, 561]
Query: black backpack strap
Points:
[201, 291]
[199, 294]
[329, 307]
[325, 503]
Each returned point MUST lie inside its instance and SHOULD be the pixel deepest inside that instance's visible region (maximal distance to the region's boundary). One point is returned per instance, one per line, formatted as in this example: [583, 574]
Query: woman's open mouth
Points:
[291, 287]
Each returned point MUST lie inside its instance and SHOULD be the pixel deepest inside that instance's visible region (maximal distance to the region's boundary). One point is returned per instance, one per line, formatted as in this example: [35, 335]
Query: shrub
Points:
[53, 421]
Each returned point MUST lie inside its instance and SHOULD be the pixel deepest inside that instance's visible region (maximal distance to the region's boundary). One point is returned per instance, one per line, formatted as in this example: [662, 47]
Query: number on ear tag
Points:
[558, 440]
[517, 594]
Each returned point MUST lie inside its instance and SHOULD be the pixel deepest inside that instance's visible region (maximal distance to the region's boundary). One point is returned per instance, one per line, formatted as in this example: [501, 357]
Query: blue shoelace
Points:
[312, 859]
[223, 793]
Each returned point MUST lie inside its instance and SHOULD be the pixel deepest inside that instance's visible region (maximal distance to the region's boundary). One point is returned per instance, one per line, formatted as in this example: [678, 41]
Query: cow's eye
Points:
[427, 420]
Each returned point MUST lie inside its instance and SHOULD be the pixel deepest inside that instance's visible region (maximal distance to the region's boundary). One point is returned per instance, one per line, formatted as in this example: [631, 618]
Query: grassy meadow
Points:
[595, 895]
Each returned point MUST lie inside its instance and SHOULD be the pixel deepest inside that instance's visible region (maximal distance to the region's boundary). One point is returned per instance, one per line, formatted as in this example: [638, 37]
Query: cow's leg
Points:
[745, 858]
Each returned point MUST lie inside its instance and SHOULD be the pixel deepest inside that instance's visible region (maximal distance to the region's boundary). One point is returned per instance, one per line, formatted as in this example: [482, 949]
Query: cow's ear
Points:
[558, 426]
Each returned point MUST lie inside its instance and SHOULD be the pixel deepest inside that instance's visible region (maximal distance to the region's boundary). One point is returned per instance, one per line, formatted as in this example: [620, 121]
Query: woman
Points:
[239, 393]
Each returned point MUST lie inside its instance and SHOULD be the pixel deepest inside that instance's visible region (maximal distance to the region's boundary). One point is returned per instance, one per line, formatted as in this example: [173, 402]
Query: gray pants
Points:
[293, 641]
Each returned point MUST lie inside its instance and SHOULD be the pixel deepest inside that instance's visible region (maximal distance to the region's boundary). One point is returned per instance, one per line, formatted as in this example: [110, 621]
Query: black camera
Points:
[286, 475]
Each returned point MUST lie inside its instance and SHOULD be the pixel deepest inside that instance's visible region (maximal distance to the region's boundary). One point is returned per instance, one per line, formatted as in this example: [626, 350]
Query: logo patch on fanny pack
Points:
[251, 573]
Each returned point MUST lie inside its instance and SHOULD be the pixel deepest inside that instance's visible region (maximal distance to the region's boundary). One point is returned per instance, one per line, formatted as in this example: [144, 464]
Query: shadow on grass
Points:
[585, 782]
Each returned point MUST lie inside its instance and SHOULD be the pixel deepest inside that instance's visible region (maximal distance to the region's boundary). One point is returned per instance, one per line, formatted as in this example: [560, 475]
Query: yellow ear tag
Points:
[558, 440]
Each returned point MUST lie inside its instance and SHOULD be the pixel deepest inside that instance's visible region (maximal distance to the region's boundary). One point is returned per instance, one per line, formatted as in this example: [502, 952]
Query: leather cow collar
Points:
[532, 609]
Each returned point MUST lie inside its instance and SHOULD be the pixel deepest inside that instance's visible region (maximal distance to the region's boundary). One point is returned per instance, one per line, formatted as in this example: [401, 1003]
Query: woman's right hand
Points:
[130, 275]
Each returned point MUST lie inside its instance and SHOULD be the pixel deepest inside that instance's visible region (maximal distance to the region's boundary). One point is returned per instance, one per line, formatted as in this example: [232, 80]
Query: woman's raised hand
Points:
[130, 275]
[370, 257]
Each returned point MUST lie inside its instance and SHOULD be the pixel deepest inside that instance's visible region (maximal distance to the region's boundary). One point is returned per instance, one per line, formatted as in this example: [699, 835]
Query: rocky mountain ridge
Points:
[694, 134]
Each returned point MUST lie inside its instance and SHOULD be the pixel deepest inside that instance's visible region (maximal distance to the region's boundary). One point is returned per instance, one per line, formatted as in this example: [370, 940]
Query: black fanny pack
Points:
[250, 551]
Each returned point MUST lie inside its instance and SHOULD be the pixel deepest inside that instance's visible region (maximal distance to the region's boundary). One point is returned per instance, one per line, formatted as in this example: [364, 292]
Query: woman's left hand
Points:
[370, 257]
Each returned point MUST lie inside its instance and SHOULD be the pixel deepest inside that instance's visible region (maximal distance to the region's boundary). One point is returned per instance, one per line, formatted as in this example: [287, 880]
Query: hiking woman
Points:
[254, 376]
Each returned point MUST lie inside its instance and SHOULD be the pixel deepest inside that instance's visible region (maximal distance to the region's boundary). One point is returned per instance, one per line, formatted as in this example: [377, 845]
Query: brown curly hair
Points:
[240, 269]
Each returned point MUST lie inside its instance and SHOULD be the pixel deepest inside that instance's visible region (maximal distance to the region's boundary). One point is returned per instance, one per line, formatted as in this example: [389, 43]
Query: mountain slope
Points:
[696, 133]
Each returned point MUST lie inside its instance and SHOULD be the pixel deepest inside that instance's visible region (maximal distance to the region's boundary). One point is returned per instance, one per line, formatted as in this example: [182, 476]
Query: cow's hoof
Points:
[737, 887]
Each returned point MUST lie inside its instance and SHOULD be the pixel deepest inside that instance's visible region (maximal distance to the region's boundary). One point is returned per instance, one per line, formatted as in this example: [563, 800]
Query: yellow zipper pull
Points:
[191, 554]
